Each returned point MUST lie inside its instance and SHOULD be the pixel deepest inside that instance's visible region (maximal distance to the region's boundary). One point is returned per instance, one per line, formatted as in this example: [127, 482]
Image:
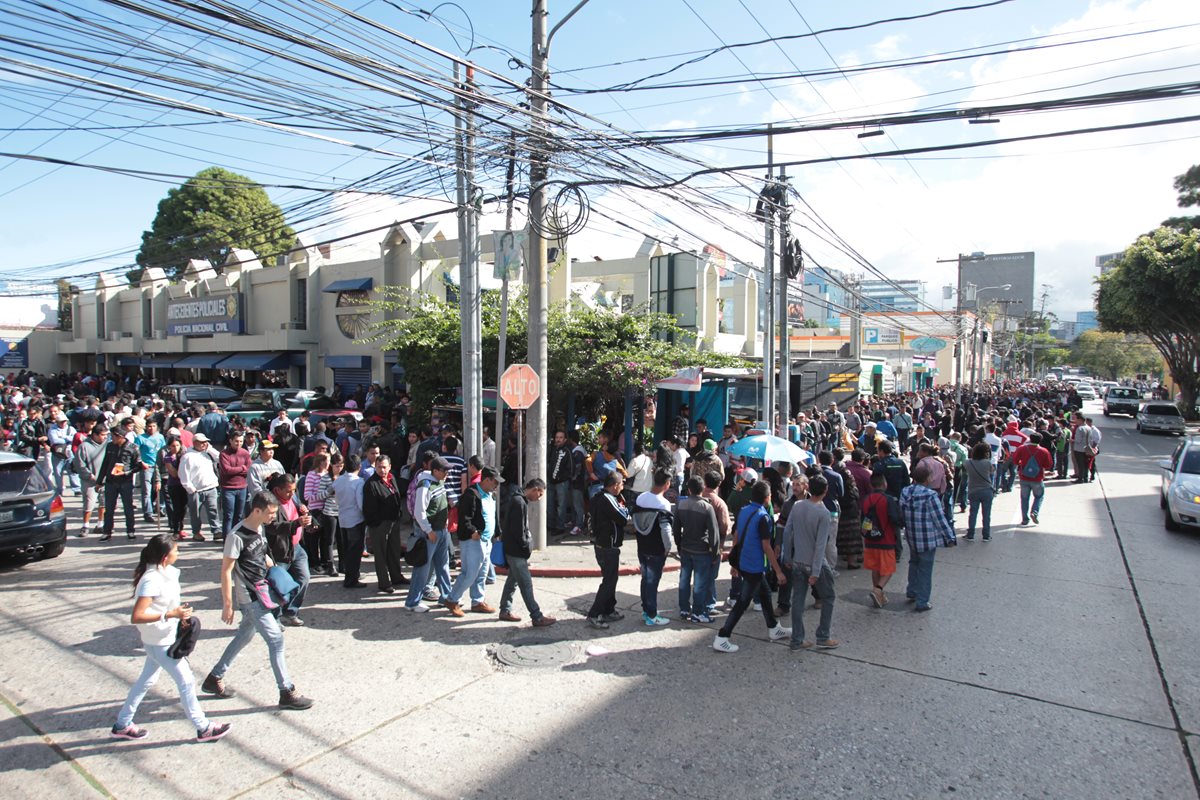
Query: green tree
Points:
[1113, 355]
[594, 353]
[1188, 186]
[212, 213]
[1154, 290]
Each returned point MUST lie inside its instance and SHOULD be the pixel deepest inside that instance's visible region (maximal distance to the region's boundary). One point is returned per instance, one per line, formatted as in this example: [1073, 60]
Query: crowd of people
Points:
[291, 497]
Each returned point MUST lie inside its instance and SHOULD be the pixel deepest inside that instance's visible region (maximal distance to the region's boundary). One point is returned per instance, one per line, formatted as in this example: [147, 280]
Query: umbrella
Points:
[766, 447]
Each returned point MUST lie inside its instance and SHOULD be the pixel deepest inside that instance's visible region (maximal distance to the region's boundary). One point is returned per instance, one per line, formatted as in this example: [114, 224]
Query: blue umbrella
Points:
[766, 447]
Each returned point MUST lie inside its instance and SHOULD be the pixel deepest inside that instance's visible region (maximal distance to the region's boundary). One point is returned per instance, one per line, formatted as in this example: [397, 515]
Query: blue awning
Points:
[158, 362]
[257, 361]
[200, 360]
[348, 362]
[350, 285]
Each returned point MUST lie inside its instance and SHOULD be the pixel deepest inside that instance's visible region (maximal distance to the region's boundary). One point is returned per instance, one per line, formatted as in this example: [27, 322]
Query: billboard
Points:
[14, 353]
[207, 316]
[998, 269]
[874, 335]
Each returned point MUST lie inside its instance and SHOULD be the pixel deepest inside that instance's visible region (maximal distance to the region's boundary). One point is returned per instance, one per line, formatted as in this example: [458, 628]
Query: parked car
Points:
[1180, 494]
[33, 521]
[1161, 417]
[188, 394]
[257, 403]
[1122, 400]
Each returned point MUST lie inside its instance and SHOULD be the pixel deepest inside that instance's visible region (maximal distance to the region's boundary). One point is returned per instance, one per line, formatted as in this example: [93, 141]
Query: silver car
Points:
[1161, 417]
[1180, 496]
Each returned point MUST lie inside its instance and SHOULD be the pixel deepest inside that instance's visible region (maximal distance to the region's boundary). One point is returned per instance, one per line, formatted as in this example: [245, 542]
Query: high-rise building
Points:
[892, 295]
[989, 271]
[825, 295]
[1085, 321]
[1107, 262]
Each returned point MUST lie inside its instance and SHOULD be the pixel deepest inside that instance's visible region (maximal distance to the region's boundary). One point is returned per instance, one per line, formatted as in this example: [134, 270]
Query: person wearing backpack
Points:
[881, 518]
[1032, 460]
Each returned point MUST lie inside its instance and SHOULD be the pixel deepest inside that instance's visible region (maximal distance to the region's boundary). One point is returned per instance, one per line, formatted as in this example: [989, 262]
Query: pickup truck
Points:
[266, 403]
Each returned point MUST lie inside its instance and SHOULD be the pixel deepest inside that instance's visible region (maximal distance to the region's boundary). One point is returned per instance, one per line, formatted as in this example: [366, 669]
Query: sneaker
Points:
[430, 596]
[216, 687]
[544, 622]
[388, 590]
[197, 537]
[1024, 522]
[82, 532]
[702, 619]
[779, 632]
[419, 608]
[757, 606]
[656, 621]
[454, 608]
[292, 621]
[105, 537]
[828, 644]
[508, 616]
[924, 608]
[213, 733]
[686, 616]
[129, 732]
[290, 699]
[598, 623]
[615, 616]
[722, 645]
[130, 535]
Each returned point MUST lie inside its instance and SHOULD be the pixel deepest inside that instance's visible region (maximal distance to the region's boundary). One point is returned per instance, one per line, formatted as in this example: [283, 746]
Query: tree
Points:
[1188, 186]
[1114, 355]
[1154, 290]
[212, 213]
[594, 353]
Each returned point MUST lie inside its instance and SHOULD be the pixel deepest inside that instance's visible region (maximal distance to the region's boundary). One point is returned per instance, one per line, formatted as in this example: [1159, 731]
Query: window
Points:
[100, 326]
[147, 318]
[22, 478]
[300, 306]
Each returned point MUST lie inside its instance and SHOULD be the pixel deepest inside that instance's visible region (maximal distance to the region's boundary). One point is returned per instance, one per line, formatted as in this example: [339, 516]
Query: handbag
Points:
[497, 558]
[417, 553]
[282, 584]
[186, 634]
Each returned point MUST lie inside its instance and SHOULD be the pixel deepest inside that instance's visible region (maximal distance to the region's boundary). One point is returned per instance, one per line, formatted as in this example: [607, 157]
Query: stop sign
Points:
[520, 386]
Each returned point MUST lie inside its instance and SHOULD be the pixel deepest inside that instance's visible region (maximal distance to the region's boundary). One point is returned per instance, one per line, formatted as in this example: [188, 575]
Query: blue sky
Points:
[1067, 199]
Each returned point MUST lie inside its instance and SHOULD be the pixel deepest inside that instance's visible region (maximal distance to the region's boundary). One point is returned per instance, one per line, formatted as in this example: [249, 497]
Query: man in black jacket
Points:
[609, 516]
[382, 502]
[560, 469]
[517, 542]
[120, 460]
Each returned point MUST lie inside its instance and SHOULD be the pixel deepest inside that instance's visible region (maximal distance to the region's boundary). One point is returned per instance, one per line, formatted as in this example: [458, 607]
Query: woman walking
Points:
[168, 465]
[157, 613]
[980, 472]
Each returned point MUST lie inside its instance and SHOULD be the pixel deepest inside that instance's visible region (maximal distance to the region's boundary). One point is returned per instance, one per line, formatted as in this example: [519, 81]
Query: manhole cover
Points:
[534, 654]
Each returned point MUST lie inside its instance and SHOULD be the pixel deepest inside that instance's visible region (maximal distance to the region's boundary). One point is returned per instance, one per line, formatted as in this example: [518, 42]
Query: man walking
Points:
[753, 544]
[431, 513]
[234, 468]
[1032, 460]
[805, 536]
[121, 461]
[244, 568]
[476, 527]
[698, 540]
[926, 529]
[517, 542]
[89, 461]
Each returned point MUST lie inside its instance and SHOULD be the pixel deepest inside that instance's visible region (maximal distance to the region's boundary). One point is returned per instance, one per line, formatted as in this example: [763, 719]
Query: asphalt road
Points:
[1059, 661]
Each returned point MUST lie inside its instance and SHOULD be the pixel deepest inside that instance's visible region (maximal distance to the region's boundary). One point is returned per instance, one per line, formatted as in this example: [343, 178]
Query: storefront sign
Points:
[206, 316]
[14, 354]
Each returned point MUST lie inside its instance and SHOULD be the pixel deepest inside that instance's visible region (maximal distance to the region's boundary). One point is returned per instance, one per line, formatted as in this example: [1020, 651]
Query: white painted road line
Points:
[1142, 447]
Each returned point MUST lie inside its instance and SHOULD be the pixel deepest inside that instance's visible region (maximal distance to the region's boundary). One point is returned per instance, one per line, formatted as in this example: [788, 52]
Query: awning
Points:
[127, 361]
[200, 360]
[877, 369]
[350, 285]
[158, 362]
[687, 379]
[348, 362]
[254, 362]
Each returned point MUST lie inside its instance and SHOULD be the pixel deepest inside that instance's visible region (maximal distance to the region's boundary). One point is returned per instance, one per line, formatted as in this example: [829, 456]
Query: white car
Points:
[1180, 494]
[1161, 416]
[1085, 391]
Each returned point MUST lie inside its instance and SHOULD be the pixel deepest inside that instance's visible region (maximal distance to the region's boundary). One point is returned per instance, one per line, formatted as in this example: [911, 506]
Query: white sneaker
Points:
[722, 645]
[419, 608]
[757, 606]
[780, 632]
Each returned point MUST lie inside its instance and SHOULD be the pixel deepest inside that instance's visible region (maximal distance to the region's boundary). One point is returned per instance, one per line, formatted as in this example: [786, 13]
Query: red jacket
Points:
[234, 467]
[1029, 451]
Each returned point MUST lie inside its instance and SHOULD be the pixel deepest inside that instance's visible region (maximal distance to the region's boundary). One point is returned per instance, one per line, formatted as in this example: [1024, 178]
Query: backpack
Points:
[411, 497]
[1032, 469]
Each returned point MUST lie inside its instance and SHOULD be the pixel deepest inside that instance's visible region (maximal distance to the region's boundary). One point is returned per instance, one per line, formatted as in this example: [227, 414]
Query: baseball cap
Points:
[489, 473]
[199, 437]
[749, 475]
[439, 463]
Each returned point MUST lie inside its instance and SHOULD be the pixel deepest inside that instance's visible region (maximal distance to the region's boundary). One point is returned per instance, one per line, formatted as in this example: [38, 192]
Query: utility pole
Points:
[468, 268]
[785, 329]
[499, 435]
[537, 434]
[768, 208]
[852, 290]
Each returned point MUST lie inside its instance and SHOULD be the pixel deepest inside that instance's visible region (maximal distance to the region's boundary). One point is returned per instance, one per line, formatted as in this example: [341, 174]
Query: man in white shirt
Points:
[348, 489]
[281, 421]
[488, 455]
[198, 475]
[997, 445]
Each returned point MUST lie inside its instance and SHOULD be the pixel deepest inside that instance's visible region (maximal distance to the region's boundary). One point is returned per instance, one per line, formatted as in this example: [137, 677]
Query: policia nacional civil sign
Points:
[206, 316]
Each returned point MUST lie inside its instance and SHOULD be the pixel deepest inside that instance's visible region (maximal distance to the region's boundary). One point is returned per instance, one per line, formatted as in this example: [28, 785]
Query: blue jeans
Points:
[519, 577]
[298, 569]
[920, 575]
[652, 570]
[233, 504]
[981, 500]
[256, 619]
[998, 475]
[150, 497]
[696, 575]
[1038, 490]
[558, 505]
[475, 555]
[437, 566]
[1008, 474]
[824, 591]
[180, 671]
[63, 475]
